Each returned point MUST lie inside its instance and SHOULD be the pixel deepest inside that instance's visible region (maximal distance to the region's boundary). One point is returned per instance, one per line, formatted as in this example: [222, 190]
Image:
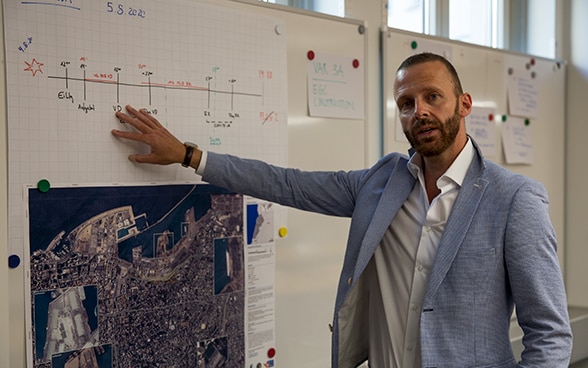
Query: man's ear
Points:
[465, 101]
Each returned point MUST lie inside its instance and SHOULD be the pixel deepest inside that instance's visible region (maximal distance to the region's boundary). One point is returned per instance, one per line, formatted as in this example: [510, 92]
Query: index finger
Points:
[144, 116]
[135, 118]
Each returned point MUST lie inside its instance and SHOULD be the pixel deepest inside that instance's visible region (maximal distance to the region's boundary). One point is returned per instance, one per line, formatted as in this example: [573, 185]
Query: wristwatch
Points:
[190, 147]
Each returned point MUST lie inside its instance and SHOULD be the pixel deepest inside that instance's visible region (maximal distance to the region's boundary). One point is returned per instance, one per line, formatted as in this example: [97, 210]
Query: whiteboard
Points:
[70, 66]
[484, 73]
[309, 258]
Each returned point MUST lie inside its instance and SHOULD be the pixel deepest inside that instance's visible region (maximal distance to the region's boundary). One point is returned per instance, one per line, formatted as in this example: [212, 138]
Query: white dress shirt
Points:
[398, 273]
[202, 163]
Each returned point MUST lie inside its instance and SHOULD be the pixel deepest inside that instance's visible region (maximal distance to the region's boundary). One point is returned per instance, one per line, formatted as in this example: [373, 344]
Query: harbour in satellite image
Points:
[136, 276]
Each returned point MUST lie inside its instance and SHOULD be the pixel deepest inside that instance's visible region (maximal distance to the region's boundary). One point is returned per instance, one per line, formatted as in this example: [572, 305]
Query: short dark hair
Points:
[425, 57]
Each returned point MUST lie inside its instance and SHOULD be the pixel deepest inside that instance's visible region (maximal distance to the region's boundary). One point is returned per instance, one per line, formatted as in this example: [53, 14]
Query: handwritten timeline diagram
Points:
[227, 116]
[212, 75]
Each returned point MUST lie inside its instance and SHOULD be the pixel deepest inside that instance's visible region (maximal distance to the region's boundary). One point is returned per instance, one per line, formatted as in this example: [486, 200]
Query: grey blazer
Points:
[498, 252]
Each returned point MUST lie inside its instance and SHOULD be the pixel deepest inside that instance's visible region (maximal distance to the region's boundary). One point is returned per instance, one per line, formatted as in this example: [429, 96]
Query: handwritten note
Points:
[335, 86]
[522, 95]
[481, 126]
[517, 139]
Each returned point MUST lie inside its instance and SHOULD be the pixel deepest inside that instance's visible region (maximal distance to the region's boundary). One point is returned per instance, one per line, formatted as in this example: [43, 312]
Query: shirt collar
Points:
[456, 172]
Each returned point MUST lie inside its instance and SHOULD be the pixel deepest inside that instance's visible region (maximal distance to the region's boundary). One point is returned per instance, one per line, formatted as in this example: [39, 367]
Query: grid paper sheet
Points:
[212, 75]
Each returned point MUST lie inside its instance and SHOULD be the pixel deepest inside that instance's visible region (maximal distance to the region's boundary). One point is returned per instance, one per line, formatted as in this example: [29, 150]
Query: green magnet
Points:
[414, 45]
[43, 185]
[503, 118]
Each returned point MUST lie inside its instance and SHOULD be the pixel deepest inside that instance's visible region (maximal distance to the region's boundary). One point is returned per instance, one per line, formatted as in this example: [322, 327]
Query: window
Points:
[520, 25]
[472, 22]
[541, 39]
[408, 15]
[331, 7]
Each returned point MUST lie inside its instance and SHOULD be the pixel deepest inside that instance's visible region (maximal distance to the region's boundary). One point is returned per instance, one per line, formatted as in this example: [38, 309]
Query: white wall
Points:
[576, 52]
[374, 14]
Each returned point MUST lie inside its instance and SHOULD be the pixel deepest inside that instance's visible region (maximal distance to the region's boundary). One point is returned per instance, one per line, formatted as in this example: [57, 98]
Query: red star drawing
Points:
[34, 67]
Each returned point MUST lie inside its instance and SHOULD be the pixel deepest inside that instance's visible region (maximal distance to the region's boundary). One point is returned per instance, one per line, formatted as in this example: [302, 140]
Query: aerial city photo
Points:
[136, 276]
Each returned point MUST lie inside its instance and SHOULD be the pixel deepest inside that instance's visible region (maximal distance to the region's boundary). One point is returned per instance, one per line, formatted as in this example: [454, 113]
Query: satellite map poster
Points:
[136, 276]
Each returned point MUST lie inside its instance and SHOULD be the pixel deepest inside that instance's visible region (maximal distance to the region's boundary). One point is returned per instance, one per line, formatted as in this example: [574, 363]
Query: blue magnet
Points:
[13, 261]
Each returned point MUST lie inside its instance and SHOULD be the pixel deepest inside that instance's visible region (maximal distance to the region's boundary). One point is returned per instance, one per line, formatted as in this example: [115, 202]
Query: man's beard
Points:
[428, 147]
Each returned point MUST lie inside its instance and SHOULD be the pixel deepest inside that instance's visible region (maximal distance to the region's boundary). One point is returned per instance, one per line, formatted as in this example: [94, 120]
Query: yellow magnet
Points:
[283, 232]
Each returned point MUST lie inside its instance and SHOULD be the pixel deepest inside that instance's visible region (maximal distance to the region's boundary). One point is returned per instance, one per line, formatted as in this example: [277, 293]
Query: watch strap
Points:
[189, 153]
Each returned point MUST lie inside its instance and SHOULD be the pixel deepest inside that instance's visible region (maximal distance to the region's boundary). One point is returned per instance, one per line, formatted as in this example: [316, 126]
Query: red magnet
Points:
[271, 352]
[490, 117]
[355, 63]
[310, 55]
